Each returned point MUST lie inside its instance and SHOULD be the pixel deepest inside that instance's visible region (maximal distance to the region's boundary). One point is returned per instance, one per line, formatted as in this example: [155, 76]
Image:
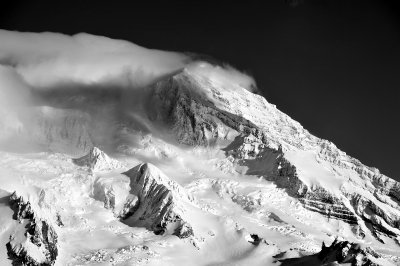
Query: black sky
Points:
[333, 65]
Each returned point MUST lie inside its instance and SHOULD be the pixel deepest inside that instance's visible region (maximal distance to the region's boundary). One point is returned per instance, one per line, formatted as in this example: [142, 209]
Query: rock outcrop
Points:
[340, 252]
[195, 120]
[160, 204]
[273, 165]
[34, 242]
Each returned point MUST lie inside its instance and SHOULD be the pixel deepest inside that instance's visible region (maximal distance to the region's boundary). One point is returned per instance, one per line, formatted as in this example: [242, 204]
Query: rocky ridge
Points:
[34, 242]
[160, 202]
[144, 196]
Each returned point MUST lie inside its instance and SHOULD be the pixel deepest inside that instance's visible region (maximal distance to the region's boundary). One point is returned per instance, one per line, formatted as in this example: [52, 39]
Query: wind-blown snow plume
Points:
[225, 74]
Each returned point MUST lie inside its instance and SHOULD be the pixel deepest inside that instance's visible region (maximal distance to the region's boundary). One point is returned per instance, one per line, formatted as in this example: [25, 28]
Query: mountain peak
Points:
[97, 160]
[161, 202]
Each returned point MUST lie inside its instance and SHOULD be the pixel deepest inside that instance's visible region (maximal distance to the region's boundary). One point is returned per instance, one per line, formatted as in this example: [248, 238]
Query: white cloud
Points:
[14, 100]
[31, 62]
[46, 59]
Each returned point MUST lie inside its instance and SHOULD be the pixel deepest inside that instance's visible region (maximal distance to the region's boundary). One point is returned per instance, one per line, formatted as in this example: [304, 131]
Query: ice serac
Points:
[258, 139]
[34, 241]
[160, 204]
[97, 160]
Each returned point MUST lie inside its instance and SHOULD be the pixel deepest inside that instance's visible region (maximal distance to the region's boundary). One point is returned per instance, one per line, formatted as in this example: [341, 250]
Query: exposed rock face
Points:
[35, 241]
[317, 198]
[329, 206]
[146, 198]
[97, 160]
[260, 159]
[377, 219]
[255, 239]
[194, 119]
[339, 252]
[160, 202]
[345, 252]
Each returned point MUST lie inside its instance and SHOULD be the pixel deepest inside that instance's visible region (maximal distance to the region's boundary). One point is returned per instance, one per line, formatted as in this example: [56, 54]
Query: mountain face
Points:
[158, 202]
[310, 169]
[193, 169]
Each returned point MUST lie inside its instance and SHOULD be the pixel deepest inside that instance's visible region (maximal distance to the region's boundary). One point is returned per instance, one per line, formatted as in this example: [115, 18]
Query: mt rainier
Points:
[113, 154]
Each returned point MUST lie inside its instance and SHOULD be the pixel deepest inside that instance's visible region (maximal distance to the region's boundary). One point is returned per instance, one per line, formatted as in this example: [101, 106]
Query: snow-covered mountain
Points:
[189, 168]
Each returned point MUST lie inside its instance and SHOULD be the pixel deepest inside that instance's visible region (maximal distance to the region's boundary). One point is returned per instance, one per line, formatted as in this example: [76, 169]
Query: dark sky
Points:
[333, 65]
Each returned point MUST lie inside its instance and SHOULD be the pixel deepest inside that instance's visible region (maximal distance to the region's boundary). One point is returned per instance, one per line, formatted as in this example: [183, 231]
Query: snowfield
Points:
[187, 167]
